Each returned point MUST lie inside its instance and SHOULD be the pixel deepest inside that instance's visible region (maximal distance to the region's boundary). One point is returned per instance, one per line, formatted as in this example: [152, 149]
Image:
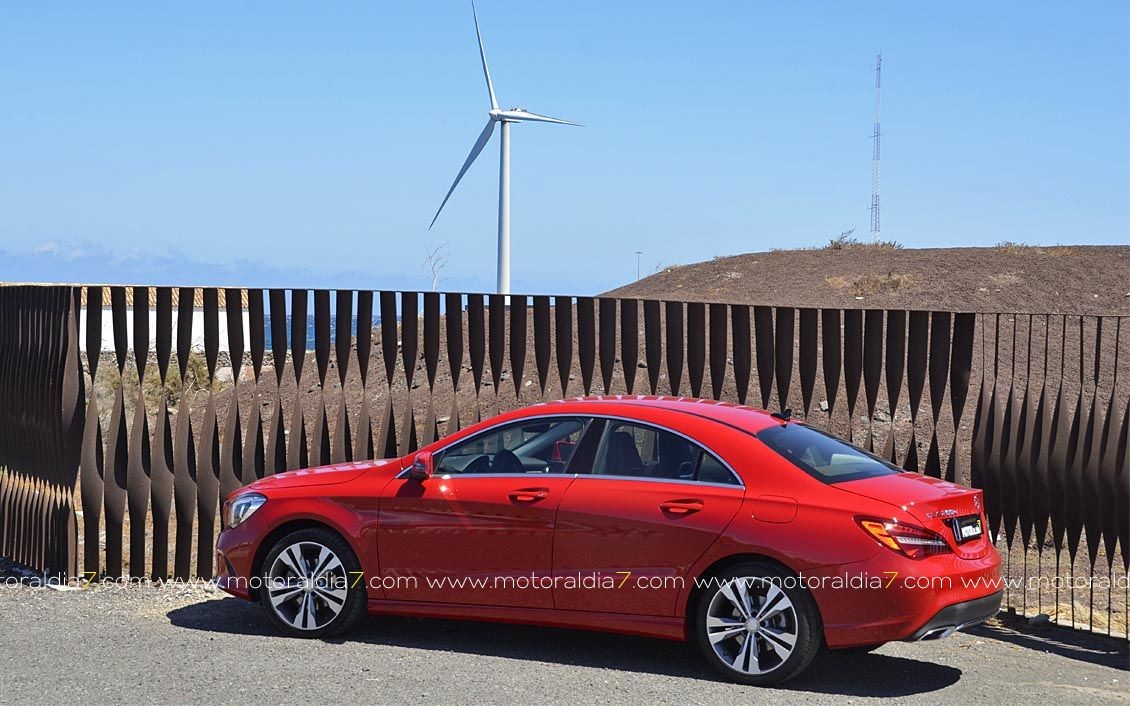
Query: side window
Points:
[711, 470]
[632, 449]
[540, 445]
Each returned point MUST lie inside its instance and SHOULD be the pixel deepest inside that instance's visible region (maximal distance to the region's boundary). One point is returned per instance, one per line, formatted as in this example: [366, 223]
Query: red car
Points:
[757, 536]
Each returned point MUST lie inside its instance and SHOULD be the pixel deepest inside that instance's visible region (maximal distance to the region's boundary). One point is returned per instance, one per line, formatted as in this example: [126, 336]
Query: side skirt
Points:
[668, 628]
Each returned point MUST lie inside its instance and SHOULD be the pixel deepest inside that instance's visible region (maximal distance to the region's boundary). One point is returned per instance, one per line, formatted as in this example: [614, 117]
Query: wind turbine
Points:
[502, 118]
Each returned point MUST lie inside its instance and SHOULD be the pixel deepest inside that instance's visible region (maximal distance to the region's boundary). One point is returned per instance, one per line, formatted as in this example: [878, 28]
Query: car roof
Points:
[739, 416]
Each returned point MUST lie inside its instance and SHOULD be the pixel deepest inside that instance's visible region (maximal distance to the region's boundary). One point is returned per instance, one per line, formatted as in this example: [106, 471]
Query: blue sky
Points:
[309, 144]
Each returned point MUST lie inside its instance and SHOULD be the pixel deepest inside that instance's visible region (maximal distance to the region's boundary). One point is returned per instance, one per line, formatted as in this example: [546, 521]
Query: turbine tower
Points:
[875, 156]
[503, 118]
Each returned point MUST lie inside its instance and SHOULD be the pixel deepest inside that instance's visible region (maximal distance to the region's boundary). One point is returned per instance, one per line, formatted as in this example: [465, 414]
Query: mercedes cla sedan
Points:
[758, 537]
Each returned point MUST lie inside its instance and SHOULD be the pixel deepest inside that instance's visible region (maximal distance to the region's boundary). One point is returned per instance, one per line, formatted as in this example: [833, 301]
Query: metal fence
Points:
[40, 425]
[1030, 407]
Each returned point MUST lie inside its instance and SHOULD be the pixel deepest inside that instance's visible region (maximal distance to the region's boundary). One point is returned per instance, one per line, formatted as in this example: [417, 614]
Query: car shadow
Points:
[830, 674]
[1087, 647]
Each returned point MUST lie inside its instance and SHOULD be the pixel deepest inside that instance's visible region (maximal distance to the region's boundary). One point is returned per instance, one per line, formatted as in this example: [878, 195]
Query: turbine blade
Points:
[484, 137]
[483, 54]
[519, 116]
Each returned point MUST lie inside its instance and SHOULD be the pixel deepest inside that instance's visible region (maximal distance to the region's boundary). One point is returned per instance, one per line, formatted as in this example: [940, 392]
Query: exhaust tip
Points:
[946, 631]
[938, 633]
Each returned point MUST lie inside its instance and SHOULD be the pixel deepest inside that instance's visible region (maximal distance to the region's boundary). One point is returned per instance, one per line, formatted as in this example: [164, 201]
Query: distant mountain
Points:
[93, 264]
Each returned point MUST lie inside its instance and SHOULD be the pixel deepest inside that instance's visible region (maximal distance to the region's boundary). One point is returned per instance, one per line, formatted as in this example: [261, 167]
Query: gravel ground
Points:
[190, 645]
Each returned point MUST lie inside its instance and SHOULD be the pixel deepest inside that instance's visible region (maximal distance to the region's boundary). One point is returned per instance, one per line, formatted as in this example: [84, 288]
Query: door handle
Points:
[528, 495]
[681, 507]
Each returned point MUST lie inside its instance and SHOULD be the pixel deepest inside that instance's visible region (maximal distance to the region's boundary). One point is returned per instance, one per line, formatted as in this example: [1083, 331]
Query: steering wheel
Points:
[506, 461]
[481, 464]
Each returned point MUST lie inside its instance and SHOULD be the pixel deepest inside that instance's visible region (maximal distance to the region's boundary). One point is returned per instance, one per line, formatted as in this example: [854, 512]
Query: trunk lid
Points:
[933, 502]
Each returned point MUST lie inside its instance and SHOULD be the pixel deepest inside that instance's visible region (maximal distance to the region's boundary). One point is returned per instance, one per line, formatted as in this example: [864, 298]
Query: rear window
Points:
[822, 455]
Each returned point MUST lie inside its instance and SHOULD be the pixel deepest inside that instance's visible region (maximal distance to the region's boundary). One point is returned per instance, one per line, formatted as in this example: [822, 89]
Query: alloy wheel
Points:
[752, 625]
[307, 585]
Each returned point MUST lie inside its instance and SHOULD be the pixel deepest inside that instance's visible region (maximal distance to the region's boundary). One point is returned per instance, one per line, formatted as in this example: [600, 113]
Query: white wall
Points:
[197, 330]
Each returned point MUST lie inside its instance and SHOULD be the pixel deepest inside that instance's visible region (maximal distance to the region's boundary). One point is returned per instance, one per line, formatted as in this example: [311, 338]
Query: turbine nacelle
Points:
[521, 115]
[496, 113]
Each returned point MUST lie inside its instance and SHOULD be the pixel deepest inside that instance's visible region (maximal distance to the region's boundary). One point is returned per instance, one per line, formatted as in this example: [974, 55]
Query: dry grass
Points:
[870, 285]
[1014, 248]
[105, 385]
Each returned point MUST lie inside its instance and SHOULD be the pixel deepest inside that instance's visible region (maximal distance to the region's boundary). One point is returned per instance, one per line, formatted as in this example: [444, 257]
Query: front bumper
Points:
[957, 616]
[235, 552]
[228, 579]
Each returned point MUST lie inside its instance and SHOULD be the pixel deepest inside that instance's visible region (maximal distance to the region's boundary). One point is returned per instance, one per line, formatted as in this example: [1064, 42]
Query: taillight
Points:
[909, 540]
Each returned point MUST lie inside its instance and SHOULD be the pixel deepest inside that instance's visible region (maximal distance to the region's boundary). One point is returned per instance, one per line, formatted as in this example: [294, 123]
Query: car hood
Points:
[322, 475]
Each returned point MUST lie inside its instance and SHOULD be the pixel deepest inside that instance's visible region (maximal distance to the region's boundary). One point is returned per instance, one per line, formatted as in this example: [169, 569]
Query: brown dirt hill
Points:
[1087, 279]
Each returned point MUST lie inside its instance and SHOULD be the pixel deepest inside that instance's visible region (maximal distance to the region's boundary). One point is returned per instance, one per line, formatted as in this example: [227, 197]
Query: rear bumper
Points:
[888, 597]
[957, 616]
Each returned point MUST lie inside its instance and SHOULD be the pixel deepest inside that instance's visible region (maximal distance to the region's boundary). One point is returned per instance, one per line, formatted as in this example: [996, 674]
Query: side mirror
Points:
[423, 467]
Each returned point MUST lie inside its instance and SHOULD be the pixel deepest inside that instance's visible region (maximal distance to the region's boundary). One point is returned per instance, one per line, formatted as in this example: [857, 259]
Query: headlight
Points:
[241, 507]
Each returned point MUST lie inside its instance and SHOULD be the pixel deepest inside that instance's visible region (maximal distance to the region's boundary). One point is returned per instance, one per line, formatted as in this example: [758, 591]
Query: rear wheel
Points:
[309, 584]
[756, 625]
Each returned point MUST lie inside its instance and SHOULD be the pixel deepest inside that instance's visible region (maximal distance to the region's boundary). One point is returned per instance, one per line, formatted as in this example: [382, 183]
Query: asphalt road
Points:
[186, 645]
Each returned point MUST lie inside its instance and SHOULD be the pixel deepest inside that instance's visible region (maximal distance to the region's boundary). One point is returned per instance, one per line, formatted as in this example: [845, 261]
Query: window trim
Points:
[740, 483]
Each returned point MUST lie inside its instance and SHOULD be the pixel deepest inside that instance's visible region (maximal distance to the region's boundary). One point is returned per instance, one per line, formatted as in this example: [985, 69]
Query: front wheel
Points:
[309, 584]
[756, 625]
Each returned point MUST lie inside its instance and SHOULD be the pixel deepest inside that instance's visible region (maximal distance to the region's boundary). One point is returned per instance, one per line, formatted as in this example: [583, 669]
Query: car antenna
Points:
[784, 416]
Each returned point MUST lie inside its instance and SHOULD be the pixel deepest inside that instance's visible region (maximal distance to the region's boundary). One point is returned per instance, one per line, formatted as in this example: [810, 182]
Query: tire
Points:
[330, 603]
[723, 630]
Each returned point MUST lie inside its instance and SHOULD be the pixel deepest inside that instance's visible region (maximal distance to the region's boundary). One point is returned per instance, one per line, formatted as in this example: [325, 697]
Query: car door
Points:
[480, 531]
[628, 532]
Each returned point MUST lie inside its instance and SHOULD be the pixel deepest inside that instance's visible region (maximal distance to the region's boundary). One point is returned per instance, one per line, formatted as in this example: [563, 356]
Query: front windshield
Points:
[822, 455]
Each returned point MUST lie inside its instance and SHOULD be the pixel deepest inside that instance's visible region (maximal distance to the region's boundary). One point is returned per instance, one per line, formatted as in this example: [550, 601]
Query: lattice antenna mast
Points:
[875, 155]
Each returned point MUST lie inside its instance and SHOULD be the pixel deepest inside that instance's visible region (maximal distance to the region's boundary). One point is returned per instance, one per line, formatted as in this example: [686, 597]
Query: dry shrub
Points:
[1015, 248]
[845, 241]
